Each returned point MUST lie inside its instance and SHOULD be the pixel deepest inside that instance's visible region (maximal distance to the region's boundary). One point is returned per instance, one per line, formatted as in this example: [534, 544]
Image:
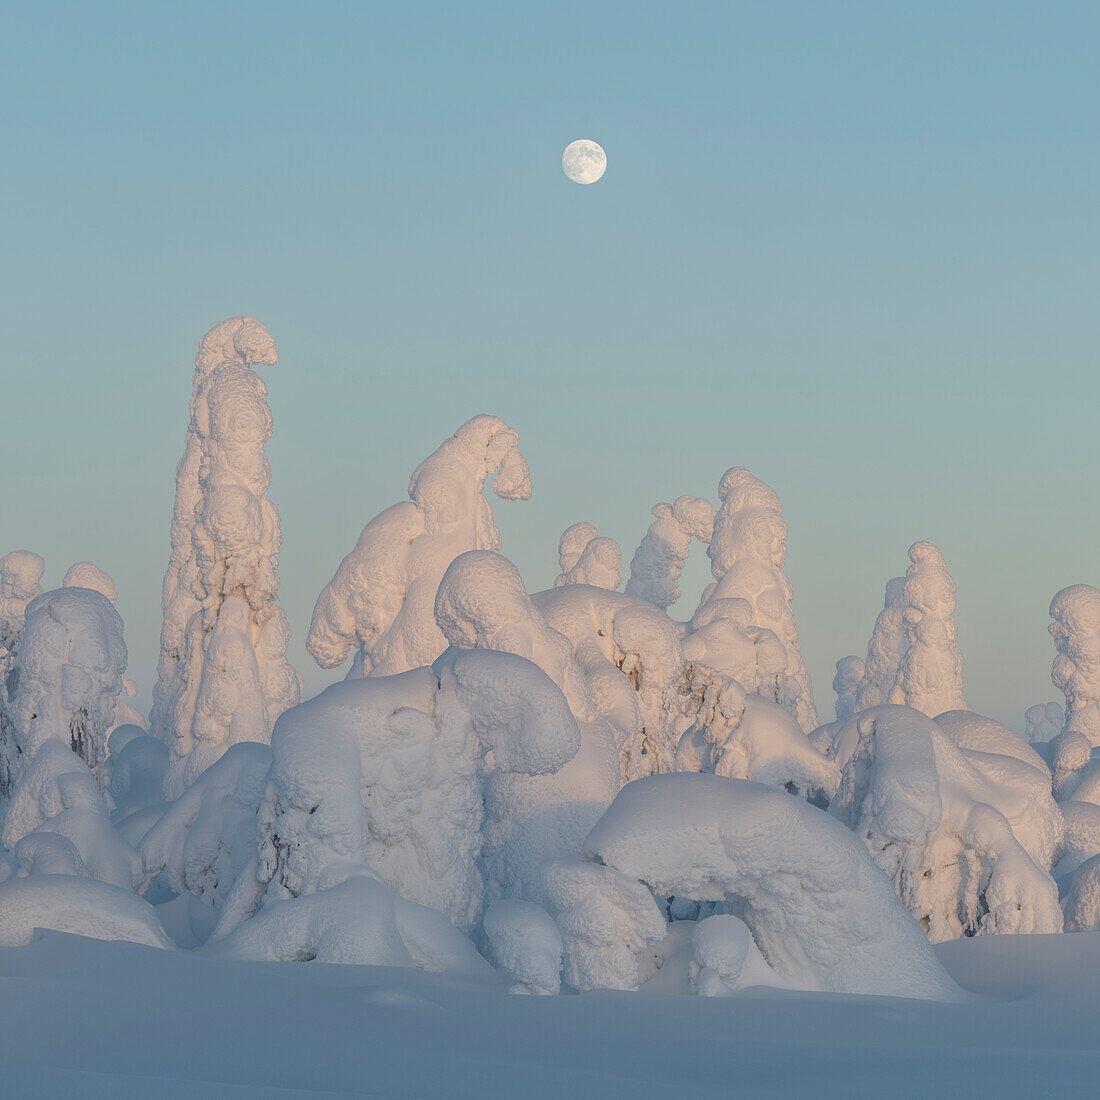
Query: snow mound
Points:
[86, 574]
[64, 903]
[358, 922]
[382, 598]
[818, 908]
[523, 940]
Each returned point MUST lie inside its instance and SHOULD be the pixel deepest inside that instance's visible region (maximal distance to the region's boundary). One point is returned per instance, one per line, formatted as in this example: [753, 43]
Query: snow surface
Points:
[183, 1025]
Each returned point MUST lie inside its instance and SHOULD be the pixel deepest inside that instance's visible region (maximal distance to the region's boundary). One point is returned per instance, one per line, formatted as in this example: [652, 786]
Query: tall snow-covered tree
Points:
[889, 641]
[849, 673]
[382, 599]
[1075, 612]
[747, 551]
[930, 675]
[223, 676]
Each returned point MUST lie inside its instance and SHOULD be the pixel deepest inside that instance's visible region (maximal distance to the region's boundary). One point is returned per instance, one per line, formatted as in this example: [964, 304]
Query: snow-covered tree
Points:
[747, 551]
[888, 644]
[957, 812]
[1076, 670]
[86, 574]
[20, 574]
[587, 558]
[849, 674]
[930, 675]
[382, 598]
[223, 676]
[659, 560]
[1044, 721]
[69, 671]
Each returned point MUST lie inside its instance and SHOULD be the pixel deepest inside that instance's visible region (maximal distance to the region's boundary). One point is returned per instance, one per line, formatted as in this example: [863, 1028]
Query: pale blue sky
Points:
[853, 247]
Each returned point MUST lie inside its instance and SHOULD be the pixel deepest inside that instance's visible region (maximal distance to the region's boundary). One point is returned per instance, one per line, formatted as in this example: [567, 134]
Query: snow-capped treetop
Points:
[1076, 670]
[85, 574]
[223, 676]
[571, 545]
[849, 674]
[659, 560]
[889, 641]
[747, 551]
[482, 604]
[20, 574]
[382, 597]
[930, 675]
[587, 558]
[1044, 721]
[69, 672]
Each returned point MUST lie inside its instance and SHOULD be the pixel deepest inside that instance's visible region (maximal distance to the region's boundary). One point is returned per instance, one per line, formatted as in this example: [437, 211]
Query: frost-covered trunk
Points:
[223, 676]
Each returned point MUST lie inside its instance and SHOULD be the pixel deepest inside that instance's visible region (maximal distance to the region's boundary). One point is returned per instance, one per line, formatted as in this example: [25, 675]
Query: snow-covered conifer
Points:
[1076, 670]
[930, 675]
[888, 644]
[382, 598]
[849, 673]
[587, 558]
[747, 551]
[223, 676]
[1044, 721]
[659, 560]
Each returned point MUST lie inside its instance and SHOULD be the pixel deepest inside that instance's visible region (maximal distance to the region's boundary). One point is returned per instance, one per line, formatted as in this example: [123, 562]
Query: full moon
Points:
[583, 161]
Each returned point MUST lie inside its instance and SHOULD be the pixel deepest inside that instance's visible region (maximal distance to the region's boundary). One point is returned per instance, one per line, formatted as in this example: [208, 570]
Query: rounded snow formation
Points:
[85, 574]
[747, 551]
[20, 576]
[408, 774]
[382, 598]
[586, 558]
[966, 835]
[818, 908]
[1044, 721]
[1076, 670]
[1082, 904]
[81, 906]
[223, 677]
[930, 675]
[356, 922]
[69, 672]
[659, 560]
[523, 940]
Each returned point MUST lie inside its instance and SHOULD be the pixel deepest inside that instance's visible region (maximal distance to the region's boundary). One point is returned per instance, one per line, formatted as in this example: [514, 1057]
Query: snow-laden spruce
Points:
[223, 676]
[849, 674]
[1075, 612]
[747, 551]
[930, 675]
[586, 557]
[659, 560]
[20, 576]
[382, 599]
[888, 644]
[819, 910]
[957, 812]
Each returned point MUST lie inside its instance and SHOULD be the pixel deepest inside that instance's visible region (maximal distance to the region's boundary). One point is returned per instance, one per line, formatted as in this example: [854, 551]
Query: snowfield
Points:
[180, 1025]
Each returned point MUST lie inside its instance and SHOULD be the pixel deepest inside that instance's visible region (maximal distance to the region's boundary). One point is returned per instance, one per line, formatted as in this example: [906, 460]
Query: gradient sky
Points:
[853, 247]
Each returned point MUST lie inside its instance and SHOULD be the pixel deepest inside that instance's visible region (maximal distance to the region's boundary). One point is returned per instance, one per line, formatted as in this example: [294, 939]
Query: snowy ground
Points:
[87, 1018]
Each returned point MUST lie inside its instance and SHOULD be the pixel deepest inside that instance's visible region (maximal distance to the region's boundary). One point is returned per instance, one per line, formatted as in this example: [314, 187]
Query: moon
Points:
[583, 161]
